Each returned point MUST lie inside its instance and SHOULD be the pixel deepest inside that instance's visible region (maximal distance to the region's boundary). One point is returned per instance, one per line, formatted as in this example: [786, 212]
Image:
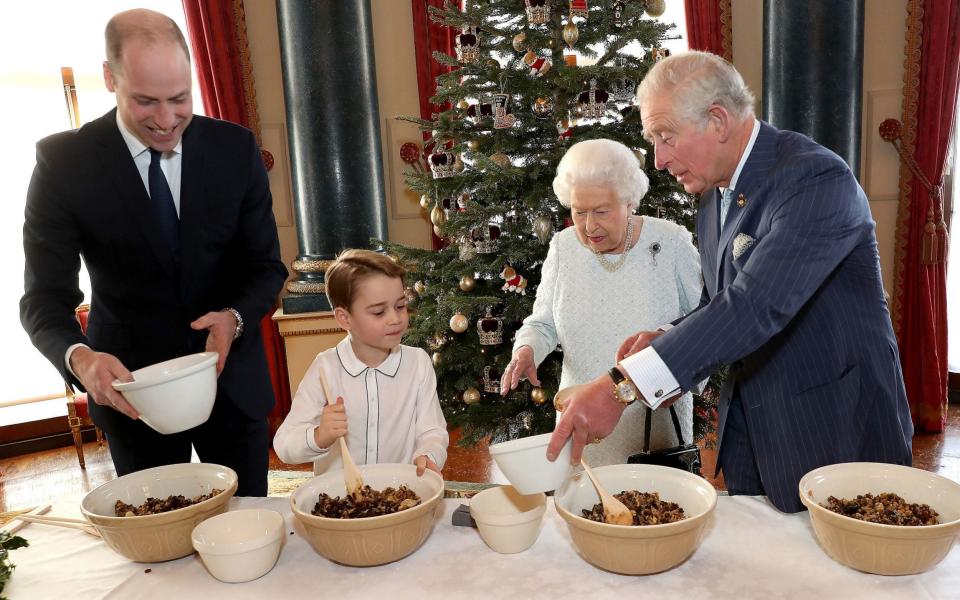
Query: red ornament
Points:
[267, 159]
[410, 153]
[890, 130]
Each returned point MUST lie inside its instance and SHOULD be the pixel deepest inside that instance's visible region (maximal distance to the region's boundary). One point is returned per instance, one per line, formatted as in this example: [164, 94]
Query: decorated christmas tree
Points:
[530, 77]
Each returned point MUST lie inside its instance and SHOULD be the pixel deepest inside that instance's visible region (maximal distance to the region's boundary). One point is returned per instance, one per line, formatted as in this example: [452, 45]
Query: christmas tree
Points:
[517, 99]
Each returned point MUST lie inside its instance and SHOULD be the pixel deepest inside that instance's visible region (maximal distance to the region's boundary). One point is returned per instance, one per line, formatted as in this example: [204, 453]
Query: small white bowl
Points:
[240, 545]
[508, 521]
[174, 395]
[524, 463]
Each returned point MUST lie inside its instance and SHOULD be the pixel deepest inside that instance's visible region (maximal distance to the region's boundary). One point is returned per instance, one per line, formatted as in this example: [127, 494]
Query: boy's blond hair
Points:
[351, 266]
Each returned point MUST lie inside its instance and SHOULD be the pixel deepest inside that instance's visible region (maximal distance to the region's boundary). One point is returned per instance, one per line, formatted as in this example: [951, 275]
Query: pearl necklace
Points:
[614, 266]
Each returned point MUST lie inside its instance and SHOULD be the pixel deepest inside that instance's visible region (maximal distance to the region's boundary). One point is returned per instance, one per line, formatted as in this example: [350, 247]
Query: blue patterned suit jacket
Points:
[800, 317]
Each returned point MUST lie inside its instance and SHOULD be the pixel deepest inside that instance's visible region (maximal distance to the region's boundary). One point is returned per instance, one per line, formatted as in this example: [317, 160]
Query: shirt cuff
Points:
[66, 357]
[312, 443]
[665, 327]
[652, 377]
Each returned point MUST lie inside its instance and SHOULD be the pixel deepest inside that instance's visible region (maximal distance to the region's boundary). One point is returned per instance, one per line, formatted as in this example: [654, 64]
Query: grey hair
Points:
[698, 80]
[601, 162]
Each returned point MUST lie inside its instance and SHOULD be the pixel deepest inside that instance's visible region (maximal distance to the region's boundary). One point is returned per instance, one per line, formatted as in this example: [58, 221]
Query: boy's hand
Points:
[423, 463]
[333, 424]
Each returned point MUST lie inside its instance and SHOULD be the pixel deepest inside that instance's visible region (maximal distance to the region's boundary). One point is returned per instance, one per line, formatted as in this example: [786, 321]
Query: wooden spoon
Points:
[614, 511]
[351, 474]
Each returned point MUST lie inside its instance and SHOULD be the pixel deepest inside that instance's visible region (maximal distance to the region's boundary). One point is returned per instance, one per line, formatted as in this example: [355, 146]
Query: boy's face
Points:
[378, 316]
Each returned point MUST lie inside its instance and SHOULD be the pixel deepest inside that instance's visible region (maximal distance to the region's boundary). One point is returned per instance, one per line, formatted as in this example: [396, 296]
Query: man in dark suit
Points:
[172, 215]
[793, 300]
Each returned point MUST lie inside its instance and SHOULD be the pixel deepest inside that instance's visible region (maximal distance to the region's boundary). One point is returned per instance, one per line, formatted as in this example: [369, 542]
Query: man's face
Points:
[693, 155]
[152, 86]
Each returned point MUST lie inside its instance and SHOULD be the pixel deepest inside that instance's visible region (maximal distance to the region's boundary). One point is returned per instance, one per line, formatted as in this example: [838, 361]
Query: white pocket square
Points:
[741, 244]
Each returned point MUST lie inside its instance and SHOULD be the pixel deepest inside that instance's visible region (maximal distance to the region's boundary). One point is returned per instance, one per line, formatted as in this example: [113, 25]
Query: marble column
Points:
[813, 71]
[333, 130]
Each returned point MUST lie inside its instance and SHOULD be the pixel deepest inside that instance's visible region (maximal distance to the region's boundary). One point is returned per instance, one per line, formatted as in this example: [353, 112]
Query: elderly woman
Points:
[611, 274]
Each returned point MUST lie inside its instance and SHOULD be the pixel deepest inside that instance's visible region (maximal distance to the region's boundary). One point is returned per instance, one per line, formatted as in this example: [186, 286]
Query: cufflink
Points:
[658, 393]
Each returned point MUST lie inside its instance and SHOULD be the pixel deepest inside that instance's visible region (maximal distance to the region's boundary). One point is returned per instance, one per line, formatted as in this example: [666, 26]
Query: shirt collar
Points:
[355, 367]
[134, 144]
[745, 155]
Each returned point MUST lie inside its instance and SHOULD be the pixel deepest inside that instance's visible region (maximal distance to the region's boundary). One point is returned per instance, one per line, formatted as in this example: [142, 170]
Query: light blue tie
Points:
[725, 204]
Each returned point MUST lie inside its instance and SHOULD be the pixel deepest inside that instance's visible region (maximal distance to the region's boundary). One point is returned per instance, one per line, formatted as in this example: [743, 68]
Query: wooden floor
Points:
[55, 476]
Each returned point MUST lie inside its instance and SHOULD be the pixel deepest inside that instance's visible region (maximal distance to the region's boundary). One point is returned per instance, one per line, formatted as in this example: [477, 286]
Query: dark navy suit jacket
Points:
[800, 316]
[87, 197]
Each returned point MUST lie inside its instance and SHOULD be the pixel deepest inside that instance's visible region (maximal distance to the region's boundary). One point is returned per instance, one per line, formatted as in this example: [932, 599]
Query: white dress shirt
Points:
[646, 369]
[393, 412]
[170, 164]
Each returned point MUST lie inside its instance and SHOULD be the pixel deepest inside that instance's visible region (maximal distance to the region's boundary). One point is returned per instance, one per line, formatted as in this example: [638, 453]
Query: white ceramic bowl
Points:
[637, 550]
[876, 548]
[524, 463]
[240, 545]
[508, 521]
[174, 395]
[164, 536]
[372, 540]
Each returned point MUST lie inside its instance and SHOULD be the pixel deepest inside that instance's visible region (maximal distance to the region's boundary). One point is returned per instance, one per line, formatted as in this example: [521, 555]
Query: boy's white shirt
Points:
[393, 412]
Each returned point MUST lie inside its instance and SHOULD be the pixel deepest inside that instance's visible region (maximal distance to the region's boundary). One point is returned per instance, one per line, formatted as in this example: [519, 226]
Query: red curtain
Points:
[710, 26]
[218, 37]
[430, 37]
[919, 299]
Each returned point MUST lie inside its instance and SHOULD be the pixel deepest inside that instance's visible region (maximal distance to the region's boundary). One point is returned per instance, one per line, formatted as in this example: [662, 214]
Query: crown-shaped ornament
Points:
[468, 44]
[490, 329]
[443, 164]
[579, 8]
[592, 103]
[538, 11]
[485, 238]
[491, 379]
[447, 204]
[623, 89]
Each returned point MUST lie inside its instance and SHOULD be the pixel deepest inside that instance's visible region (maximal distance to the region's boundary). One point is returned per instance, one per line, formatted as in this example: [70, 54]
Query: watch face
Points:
[626, 392]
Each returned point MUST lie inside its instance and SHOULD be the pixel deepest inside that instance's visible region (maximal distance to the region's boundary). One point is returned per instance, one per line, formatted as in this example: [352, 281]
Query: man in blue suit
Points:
[172, 214]
[792, 301]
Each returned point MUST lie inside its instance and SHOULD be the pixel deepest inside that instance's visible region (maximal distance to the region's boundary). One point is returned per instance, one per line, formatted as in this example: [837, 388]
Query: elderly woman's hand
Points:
[520, 366]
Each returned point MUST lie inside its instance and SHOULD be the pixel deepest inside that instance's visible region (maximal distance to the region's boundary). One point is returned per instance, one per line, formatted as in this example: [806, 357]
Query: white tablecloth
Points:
[750, 551]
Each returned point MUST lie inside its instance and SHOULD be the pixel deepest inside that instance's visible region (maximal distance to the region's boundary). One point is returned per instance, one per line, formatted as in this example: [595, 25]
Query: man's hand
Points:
[97, 372]
[220, 326]
[423, 463]
[520, 366]
[333, 424]
[635, 343]
[589, 415]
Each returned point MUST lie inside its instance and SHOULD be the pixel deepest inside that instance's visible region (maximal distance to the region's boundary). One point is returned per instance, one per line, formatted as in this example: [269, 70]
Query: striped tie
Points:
[725, 204]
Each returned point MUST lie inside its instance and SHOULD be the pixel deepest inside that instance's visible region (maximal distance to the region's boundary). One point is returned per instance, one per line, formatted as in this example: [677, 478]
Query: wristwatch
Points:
[623, 388]
[236, 315]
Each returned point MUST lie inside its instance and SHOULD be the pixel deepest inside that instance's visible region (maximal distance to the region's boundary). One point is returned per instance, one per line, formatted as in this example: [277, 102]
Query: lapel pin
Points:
[741, 201]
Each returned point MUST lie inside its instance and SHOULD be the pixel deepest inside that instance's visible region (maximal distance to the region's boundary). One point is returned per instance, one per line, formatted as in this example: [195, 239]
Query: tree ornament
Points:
[420, 287]
[473, 145]
[485, 239]
[468, 250]
[491, 379]
[471, 395]
[571, 34]
[656, 8]
[477, 112]
[442, 164]
[410, 295]
[457, 164]
[642, 158]
[437, 359]
[513, 282]
[623, 89]
[542, 108]
[438, 231]
[520, 41]
[538, 11]
[565, 130]
[468, 283]
[463, 104]
[658, 54]
[618, 7]
[459, 322]
[538, 395]
[502, 119]
[578, 8]
[425, 201]
[500, 159]
[543, 228]
[437, 216]
[468, 44]
[538, 64]
[493, 63]
[490, 329]
[592, 103]
[463, 201]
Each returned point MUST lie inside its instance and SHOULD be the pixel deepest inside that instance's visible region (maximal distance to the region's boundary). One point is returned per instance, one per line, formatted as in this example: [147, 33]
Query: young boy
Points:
[385, 391]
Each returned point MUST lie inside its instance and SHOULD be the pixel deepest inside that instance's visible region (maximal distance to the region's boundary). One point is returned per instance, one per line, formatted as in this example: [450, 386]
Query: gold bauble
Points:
[437, 216]
[520, 42]
[538, 395]
[500, 159]
[471, 396]
[420, 287]
[493, 63]
[425, 201]
[474, 145]
[437, 231]
[463, 105]
[459, 322]
[468, 283]
[655, 8]
[571, 34]
[551, 43]
[642, 158]
[437, 359]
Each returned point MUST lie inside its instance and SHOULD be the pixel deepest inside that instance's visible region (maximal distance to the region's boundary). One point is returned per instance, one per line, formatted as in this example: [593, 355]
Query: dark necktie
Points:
[163, 206]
